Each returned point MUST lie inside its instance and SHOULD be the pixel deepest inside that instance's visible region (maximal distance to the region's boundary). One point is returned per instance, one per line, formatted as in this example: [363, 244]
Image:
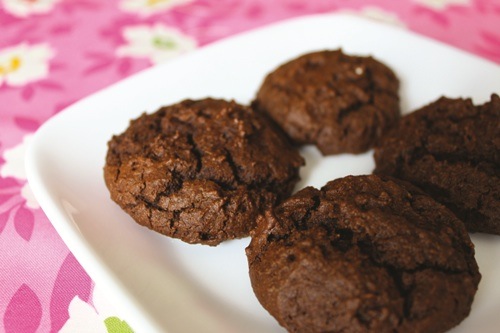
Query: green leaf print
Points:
[116, 325]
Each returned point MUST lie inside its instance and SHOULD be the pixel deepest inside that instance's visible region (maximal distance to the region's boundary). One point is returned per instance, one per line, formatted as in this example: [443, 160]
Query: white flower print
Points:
[378, 14]
[28, 195]
[148, 7]
[158, 43]
[24, 8]
[24, 63]
[14, 167]
[442, 4]
[14, 160]
[83, 317]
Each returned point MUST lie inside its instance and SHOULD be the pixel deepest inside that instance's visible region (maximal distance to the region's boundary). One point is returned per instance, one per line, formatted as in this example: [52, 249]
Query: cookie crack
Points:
[175, 185]
[343, 113]
[404, 292]
[196, 152]
[371, 89]
[304, 223]
[234, 168]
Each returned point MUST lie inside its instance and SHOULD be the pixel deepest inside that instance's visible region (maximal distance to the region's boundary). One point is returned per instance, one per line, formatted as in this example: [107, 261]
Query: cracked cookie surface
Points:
[451, 149]
[200, 170]
[338, 102]
[363, 254]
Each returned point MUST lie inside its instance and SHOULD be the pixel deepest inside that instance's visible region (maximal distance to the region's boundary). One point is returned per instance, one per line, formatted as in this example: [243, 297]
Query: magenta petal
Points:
[4, 198]
[27, 92]
[491, 38]
[98, 66]
[4, 217]
[71, 281]
[24, 312]
[24, 222]
[124, 67]
[26, 124]
[51, 85]
[8, 182]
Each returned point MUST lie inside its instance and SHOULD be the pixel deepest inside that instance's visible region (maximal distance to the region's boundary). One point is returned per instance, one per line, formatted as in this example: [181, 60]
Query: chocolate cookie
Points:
[363, 254]
[200, 170]
[340, 103]
[451, 149]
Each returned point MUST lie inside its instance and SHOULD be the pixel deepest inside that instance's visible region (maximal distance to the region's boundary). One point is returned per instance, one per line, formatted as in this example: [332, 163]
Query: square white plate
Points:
[165, 285]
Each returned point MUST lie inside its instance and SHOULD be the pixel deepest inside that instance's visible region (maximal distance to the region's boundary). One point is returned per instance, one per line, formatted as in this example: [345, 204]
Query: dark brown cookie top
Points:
[200, 170]
[363, 254]
[338, 102]
[451, 149]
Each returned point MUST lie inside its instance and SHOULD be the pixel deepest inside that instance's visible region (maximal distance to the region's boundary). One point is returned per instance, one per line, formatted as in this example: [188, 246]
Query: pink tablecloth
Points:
[54, 52]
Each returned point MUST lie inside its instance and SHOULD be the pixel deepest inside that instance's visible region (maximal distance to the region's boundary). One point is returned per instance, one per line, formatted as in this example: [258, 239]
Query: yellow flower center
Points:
[152, 3]
[164, 43]
[11, 66]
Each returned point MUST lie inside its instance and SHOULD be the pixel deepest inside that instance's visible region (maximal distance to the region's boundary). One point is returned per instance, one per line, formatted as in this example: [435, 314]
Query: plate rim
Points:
[76, 241]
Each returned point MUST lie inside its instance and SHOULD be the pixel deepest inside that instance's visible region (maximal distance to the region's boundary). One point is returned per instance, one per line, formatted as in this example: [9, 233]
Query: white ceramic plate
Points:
[164, 285]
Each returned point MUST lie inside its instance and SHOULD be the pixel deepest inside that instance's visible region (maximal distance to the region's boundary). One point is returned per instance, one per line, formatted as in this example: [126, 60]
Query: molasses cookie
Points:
[338, 102]
[363, 254]
[451, 149]
[200, 171]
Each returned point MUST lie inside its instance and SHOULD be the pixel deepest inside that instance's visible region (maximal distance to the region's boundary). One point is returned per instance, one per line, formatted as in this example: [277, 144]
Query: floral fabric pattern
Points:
[157, 43]
[55, 52]
[98, 317]
[26, 8]
[442, 4]
[23, 63]
[149, 7]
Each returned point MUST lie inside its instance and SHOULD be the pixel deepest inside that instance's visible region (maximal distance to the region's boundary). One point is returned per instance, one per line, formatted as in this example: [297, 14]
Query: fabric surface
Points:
[55, 52]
